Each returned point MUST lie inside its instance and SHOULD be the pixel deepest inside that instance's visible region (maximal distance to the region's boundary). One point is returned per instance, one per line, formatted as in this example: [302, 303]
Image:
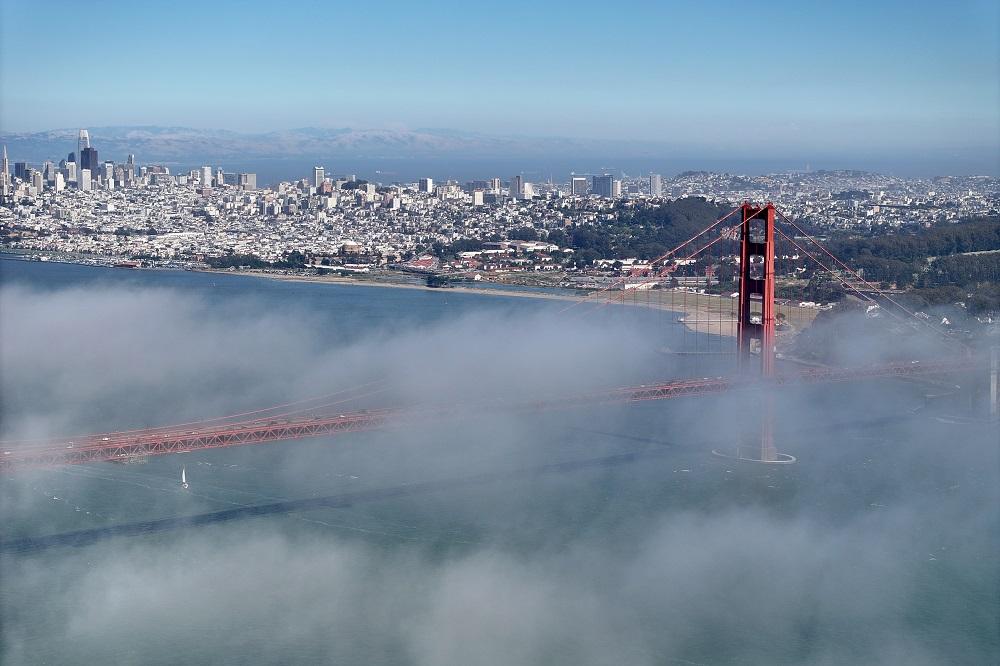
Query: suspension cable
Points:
[861, 293]
[606, 302]
[866, 282]
[654, 261]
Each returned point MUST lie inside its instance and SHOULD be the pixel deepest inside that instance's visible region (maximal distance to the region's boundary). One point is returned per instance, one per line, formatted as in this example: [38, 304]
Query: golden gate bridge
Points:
[755, 320]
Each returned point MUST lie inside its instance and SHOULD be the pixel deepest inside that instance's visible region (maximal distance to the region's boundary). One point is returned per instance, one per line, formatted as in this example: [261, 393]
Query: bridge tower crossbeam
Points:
[755, 326]
[755, 329]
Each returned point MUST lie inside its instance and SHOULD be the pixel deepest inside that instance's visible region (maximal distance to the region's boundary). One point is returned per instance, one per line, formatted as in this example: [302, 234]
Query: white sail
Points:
[183, 475]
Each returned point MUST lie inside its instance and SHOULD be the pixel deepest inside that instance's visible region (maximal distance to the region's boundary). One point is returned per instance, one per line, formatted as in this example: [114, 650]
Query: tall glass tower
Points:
[83, 142]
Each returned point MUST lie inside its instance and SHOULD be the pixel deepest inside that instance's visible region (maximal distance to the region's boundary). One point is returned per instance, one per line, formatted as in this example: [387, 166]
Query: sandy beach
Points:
[701, 313]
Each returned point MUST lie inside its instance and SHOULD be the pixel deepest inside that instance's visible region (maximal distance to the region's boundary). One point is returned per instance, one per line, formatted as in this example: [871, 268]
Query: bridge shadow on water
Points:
[342, 500]
[654, 448]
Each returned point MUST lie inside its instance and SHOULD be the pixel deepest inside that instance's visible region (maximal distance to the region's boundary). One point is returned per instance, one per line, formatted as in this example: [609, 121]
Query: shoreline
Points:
[698, 307]
[333, 279]
[698, 313]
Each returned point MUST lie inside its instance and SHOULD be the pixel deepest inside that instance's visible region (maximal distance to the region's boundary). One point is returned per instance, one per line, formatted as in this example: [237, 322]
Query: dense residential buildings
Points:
[146, 213]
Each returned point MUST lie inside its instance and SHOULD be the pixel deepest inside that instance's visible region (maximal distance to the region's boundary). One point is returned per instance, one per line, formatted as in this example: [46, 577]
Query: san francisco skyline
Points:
[651, 72]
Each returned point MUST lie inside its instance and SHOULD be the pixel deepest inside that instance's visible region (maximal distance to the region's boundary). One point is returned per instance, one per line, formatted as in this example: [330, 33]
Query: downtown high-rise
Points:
[655, 185]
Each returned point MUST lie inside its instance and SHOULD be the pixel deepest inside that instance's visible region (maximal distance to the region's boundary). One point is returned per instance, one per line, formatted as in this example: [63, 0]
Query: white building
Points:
[655, 185]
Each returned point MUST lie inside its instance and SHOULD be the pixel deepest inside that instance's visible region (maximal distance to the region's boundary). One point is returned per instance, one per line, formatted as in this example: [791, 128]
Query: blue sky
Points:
[795, 76]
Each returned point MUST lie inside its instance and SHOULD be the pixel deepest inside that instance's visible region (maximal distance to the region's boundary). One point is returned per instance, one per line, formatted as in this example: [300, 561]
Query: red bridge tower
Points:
[755, 327]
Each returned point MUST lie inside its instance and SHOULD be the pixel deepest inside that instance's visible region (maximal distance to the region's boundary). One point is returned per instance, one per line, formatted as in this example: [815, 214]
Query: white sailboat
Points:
[184, 481]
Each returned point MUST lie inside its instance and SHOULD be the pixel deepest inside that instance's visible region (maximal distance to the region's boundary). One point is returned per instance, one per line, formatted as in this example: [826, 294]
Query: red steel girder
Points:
[159, 442]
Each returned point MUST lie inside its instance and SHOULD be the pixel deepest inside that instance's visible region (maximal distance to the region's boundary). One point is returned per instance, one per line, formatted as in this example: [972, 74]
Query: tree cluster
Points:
[962, 269]
[293, 259]
[902, 257]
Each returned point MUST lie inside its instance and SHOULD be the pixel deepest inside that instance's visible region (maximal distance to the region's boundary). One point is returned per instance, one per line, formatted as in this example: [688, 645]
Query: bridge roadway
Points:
[159, 441]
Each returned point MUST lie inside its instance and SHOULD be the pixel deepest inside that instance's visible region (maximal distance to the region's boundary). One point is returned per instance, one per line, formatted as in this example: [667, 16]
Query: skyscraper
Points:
[83, 180]
[5, 176]
[21, 170]
[248, 181]
[88, 159]
[655, 185]
[83, 142]
[517, 187]
[426, 185]
[603, 186]
[578, 185]
[206, 176]
[319, 174]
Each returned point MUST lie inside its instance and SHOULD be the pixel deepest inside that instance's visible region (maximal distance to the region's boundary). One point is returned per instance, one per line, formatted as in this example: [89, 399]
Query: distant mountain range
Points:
[185, 144]
[389, 155]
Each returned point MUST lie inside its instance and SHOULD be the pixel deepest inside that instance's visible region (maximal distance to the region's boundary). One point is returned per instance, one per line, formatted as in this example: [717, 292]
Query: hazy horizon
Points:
[391, 155]
[650, 72]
